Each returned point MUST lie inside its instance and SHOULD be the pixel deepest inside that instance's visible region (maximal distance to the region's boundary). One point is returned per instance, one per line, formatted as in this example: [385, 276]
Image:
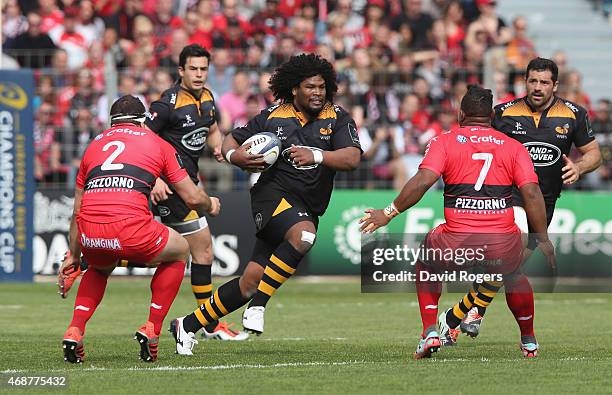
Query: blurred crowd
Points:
[403, 66]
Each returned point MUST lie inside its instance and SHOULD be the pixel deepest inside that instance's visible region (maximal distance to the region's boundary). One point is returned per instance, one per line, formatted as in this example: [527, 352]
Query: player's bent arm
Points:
[535, 209]
[238, 155]
[414, 189]
[194, 197]
[591, 157]
[343, 159]
[73, 238]
[229, 143]
[215, 137]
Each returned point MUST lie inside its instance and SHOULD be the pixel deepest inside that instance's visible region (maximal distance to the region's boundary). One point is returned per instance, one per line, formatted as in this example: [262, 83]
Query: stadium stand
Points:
[402, 66]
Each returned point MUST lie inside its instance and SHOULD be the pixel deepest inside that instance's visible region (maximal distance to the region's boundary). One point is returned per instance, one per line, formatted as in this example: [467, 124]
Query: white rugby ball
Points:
[267, 144]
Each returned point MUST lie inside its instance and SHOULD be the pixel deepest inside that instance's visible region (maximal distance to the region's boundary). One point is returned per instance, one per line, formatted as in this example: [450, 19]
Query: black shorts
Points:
[174, 213]
[274, 214]
[532, 243]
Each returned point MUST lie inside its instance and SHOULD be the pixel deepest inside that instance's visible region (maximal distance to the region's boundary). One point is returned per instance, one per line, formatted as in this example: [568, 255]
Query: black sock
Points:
[281, 266]
[451, 320]
[201, 286]
[226, 298]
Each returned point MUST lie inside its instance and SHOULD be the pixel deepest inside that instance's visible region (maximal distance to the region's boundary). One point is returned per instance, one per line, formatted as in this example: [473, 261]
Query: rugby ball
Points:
[267, 144]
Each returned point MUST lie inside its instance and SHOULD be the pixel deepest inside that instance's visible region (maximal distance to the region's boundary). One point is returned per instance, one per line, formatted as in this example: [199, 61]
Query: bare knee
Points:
[200, 245]
[302, 240]
[203, 256]
[249, 281]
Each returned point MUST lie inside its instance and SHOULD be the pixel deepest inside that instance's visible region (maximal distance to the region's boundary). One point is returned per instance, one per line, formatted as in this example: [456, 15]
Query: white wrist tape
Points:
[229, 155]
[391, 211]
[318, 156]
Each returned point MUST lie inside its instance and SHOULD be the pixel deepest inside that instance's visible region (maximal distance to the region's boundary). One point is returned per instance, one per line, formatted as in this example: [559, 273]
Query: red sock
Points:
[164, 287]
[428, 293]
[89, 295]
[519, 296]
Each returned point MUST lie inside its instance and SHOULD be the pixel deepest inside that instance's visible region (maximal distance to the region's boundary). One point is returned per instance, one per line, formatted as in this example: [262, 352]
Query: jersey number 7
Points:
[488, 158]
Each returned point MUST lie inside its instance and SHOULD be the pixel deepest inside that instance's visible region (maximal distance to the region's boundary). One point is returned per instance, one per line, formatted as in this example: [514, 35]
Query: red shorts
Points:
[135, 239]
[499, 253]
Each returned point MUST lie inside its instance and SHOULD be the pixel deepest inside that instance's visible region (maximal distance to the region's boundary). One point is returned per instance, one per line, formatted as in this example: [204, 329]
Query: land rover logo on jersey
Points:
[196, 139]
[285, 155]
[461, 139]
[543, 154]
[347, 237]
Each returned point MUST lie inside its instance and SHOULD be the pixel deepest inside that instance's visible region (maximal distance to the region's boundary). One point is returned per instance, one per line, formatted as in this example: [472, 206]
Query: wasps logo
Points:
[562, 129]
[325, 131]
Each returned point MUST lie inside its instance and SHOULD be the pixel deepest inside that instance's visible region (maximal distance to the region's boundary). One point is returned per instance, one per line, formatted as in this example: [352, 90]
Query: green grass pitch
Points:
[321, 337]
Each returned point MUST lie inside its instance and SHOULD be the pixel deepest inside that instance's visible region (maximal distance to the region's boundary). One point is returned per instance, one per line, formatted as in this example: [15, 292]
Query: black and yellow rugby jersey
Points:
[546, 135]
[332, 130]
[183, 120]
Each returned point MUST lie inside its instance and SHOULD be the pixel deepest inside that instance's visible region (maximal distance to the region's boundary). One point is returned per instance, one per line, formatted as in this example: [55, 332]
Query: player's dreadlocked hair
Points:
[477, 102]
[298, 68]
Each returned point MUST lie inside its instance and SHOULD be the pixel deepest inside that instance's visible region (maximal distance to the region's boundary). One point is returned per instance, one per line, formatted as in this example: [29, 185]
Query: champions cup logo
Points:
[12, 95]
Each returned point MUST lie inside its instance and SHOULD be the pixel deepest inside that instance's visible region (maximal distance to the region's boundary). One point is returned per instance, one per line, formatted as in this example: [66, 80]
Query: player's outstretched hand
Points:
[548, 250]
[215, 206]
[571, 172]
[372, 220]
[301, 156]
[247, 161]
[160, 191]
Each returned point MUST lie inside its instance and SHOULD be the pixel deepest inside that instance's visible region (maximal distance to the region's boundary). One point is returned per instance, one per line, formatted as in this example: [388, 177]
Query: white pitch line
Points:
[299, 339]
[211, 367]
[251, 366]
[286, 365]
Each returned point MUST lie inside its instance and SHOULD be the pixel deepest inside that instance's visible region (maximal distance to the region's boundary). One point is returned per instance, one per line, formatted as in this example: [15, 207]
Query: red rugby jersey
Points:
[479, 165]
[119, 169]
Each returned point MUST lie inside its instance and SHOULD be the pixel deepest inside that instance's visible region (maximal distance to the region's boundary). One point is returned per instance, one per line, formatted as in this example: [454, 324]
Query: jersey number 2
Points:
[108, 163]
[488, 158]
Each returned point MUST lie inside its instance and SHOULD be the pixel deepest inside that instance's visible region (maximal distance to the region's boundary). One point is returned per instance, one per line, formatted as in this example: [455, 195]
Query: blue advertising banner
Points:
[16, 174]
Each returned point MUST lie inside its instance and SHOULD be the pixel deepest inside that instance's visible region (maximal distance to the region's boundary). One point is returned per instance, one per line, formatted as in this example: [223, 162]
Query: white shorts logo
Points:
[95, 242]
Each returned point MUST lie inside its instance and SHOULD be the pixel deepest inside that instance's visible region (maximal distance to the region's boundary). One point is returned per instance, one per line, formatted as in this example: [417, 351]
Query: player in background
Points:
[111, 221]
[186, 117]
[547, 126]
[318, 138]
[477, 163]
